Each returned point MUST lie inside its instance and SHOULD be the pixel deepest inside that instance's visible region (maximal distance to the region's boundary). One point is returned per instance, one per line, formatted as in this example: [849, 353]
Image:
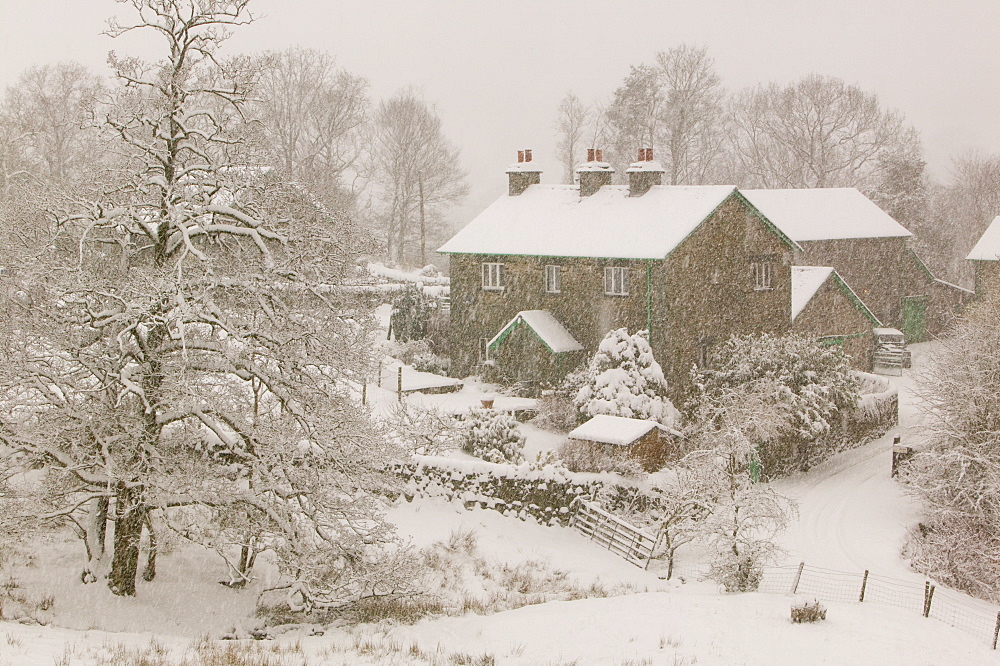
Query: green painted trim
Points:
[509, 328]
[767, 223]
[649, 299]
[851, 296]
[920, 263]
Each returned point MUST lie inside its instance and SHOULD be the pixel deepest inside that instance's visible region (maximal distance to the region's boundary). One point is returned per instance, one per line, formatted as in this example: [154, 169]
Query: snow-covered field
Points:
[852, 517]
[671, 623]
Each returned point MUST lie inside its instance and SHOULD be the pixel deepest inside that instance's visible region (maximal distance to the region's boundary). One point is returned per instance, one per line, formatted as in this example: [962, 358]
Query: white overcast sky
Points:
[497, 69]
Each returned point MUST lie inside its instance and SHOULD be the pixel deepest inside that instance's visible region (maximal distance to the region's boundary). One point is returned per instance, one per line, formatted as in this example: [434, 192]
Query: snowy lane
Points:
[852, 515]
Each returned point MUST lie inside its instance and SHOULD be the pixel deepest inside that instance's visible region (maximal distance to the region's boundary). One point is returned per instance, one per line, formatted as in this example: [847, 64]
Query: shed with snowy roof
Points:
[647, 441]
[985, 256]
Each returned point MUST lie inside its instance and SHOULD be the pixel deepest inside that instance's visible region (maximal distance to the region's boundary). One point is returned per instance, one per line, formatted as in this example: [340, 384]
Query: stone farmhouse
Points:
[541, 275]
[985, 256]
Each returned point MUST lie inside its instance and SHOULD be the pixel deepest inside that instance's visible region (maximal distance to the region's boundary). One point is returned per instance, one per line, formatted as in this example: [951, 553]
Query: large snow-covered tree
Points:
[623, 379]
[180, 348]
[956, 472]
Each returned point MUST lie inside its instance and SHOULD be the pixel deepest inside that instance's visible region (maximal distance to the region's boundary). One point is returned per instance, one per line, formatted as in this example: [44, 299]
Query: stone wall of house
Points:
[705, 291]
[987, 277]
[581, 306]
[877, 269]
[830, 312]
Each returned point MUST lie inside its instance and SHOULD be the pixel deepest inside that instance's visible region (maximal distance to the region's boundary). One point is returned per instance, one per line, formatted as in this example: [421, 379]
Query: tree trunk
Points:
[423, 224]
[97, 528]
[149, 572]
[130, 514]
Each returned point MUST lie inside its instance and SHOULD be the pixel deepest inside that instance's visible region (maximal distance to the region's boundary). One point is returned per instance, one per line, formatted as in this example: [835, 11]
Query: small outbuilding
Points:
[647, 441]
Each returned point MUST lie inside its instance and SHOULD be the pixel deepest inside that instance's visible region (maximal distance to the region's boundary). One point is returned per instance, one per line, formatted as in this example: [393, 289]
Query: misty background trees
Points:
[818, 131]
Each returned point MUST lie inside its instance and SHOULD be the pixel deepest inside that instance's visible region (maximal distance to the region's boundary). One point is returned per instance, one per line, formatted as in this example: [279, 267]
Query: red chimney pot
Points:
[520, 156]
[599, 155]
[649, 154]
[590, 154]
[527, 155]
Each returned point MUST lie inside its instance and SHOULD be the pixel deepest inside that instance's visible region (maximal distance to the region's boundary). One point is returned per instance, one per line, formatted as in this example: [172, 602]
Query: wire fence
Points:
[979, 618]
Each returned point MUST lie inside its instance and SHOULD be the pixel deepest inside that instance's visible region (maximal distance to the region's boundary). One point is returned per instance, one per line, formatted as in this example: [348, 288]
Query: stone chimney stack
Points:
[522, 173]
[644, 173]
[594, 173]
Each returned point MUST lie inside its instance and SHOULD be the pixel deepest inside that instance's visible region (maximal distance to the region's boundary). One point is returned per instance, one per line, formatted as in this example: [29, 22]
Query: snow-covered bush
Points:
[799, 389]
[419, 354]
[556, 412]
[493, 436]
[411, 312]
[956, 474]
[808, 612]
[623, 379]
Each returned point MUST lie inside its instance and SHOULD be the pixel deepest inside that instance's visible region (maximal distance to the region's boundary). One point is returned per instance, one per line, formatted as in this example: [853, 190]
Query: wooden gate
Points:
[632, 543]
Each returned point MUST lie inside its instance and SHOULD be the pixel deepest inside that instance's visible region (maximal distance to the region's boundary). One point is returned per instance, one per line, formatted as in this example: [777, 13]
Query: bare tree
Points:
[816, 132]
[692, 137]
[313, 116]
[49, 119]
[183, 348]
[417, 172]
[634, 116]
[572, 120]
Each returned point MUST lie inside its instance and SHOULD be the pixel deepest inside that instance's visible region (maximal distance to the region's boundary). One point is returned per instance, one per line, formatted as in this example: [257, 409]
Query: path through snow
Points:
[852, 515]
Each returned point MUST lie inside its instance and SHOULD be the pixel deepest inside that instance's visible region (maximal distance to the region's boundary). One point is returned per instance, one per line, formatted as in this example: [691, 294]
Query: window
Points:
[553, 283]
[761, 273]
[616, 281]
[493, 277]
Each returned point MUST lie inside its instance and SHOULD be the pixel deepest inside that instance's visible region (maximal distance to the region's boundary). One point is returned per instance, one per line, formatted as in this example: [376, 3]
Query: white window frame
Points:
[493, 276]
[616, 280]
[760, 271]
[553, 279]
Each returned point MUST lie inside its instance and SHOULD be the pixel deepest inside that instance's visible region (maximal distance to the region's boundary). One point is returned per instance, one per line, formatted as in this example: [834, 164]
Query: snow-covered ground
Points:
[659, 623]
[852, 517]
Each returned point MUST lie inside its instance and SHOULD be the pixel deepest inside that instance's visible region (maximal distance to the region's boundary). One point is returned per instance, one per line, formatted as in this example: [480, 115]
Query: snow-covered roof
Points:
[645, 165]
[988, 247]
[524, 167]
[825, 214]
[595, 165]
[806, 281]
[548, 329]
[555, 221]
[616, 430]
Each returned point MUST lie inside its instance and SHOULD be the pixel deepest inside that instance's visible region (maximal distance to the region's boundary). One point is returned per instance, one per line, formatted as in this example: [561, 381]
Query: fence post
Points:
[399, 384]
[798, 577]
[996, 632]
[864, 584]
[928, 598]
